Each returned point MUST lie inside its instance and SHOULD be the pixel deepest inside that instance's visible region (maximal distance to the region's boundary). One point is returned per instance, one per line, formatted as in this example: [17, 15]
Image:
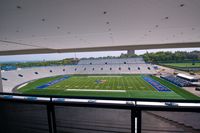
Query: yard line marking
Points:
[104, 76]
[95, 90]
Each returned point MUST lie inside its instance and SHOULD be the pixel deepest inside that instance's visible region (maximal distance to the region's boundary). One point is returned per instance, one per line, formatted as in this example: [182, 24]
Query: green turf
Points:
[134, 85]
[183, 64]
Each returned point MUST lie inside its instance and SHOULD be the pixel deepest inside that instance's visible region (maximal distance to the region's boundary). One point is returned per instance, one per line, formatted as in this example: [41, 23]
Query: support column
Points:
[1, 85]
[51, 117]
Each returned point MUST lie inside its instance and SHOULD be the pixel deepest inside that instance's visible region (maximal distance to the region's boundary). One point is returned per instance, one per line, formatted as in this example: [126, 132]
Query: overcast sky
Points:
[59, 56]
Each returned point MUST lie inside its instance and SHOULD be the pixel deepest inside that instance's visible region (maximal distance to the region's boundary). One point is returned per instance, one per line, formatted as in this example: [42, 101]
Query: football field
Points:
[123, 86]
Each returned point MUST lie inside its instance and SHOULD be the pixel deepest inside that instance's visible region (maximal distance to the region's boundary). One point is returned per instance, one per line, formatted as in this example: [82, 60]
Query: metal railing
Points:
[52, 103]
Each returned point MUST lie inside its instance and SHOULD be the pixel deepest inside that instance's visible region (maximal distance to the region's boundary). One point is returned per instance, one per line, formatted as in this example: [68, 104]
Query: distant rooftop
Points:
[186, 76]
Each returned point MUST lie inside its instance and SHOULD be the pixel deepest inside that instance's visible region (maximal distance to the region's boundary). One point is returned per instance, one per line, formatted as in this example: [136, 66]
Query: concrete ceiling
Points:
[48, 26]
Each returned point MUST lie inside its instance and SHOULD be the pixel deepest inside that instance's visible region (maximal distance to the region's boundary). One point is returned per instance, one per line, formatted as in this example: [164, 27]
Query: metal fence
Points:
[57, 114]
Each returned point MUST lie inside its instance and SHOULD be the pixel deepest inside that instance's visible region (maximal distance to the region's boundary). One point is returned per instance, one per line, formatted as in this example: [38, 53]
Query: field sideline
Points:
[124, 86]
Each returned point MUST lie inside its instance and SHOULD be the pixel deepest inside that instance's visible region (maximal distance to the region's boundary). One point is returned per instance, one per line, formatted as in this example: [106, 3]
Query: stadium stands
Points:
[137, 60]
[14, 78]
[176, 80]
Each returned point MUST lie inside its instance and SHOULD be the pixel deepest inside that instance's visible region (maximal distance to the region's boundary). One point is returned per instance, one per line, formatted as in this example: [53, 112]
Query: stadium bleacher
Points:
[92, 66]
[176, 80]
[138, 60]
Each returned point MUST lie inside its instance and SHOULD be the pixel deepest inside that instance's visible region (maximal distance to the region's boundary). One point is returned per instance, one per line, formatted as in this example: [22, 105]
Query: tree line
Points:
[157, 57]
[172, 57]
[68, 61]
